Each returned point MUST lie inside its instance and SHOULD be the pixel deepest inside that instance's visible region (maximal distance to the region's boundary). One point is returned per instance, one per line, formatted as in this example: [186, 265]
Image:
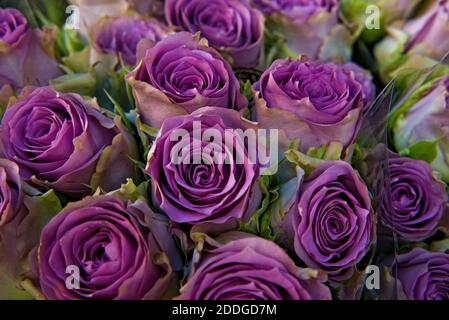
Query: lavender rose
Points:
[122, 251]
[63, 142]
[418, 201]
[120, 36]
[20, 48]
[365, 78]
[310, 27]
[181, 74]
[311, 101]
[429, 33]
[11, 200]
[423, 275]
[205, 191]
[333, 223]
[229, 25]
[417, 43]
[239, 266]
[423, 122]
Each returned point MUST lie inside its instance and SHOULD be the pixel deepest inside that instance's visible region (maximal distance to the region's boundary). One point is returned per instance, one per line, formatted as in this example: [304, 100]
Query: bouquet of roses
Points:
[224, 149]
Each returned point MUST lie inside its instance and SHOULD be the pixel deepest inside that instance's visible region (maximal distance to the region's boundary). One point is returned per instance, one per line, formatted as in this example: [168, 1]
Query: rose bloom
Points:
[429, 33]
[239, 266]
[121, 36]
[311, 101]
[122, 251]
[216, 192]
[306, 24]
[365, 78]
[423, 275]
[11, 194]
[229, 25]
[426, 118]
[61, 141]
[181, 74]
[333, 225]
[417, 202]
[20, 48]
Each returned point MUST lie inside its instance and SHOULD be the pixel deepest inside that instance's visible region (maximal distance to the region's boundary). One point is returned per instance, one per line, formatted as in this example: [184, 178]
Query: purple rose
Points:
[418, 201]
[20, 48]
[181, 74]
[312, 101]
[429, 33]
[239, 266]
[196, 192]
[229, 25]
[121, 249]
[120, 36]
[11, 200]
[424, 118]
[365, 78]
[307, 24]
[63, 142]
[423, 275]
[333, 223]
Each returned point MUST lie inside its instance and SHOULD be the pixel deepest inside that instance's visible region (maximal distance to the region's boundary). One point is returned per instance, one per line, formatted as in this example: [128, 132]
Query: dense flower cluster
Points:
[224, 149]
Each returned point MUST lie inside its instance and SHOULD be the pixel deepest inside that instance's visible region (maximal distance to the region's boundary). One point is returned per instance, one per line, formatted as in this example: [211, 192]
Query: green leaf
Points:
[354, 11]
[331, 151]
[152, 132]
[55, 11]
[259, 222]
[422, 150]
[440, 246]
[246, 89]
[9, 290]
[78, 61]
[81, 83]
[44, 207]
[119, 110]
[276, 46]
[315, 156]
[129, 191]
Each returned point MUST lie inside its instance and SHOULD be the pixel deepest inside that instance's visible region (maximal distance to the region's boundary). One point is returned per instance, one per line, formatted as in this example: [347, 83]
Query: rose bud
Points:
[417, 43]
[417, 202]
[310, 27]
[429, 33]
[20, 48]
[423, 275]
[179, 75]
[311, 101]
[240, 266]
[120, 36]
[210, 190]
[118, 249]
[420, 126]
[231, 26]
[63, 142]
